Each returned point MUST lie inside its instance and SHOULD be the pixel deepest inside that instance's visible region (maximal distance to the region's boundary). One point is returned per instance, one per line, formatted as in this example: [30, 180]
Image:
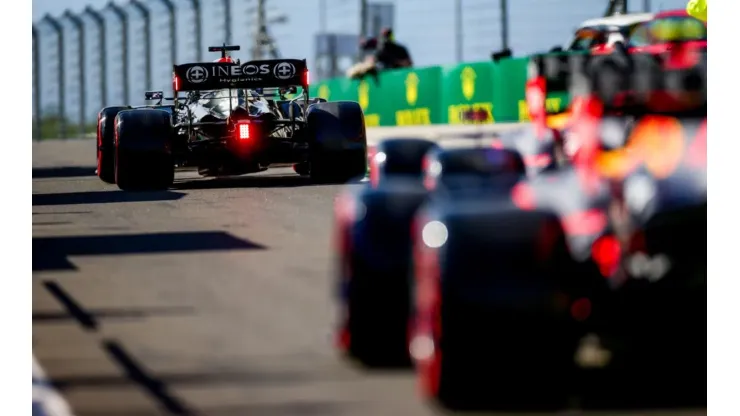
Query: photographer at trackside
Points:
[392, 55]
[388, 55]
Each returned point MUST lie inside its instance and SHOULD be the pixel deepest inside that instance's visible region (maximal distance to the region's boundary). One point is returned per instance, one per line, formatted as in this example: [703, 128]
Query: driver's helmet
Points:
[225, 60]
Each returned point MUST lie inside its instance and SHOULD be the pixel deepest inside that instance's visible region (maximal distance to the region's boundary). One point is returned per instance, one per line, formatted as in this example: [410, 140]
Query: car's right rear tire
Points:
[338, 142]
[106, 149]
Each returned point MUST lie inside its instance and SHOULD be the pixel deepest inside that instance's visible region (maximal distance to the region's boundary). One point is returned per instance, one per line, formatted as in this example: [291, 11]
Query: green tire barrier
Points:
[437, 95]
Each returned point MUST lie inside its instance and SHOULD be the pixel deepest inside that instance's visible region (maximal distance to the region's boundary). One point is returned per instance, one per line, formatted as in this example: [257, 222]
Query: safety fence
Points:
[438, 94]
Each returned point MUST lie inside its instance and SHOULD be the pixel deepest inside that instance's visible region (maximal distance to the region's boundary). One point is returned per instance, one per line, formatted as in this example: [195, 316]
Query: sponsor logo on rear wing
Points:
[253, 74]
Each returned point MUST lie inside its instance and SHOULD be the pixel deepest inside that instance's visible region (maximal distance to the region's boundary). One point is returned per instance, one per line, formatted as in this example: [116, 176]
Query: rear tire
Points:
[106, 148]
[143, 150]
[375, 334]
[480, 352]
[338, 147]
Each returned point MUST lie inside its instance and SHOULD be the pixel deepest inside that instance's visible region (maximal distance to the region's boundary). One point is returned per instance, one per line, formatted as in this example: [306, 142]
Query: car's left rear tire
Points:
[143, 159]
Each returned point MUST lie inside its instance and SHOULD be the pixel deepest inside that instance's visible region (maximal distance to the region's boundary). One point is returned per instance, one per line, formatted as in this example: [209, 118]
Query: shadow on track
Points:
[259, 181]
[63, 172]
[39, 223]
[50, 253]
[191, 378]
[63, 213]
[305, 407]
[159, 386]
[103, 197]
[247, 181]
[54, 317]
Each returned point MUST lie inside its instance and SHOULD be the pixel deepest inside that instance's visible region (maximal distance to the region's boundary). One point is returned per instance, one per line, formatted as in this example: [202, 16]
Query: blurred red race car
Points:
[664, 32]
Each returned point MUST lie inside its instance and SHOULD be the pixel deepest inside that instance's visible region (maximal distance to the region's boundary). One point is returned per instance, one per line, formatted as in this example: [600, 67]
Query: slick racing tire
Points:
[495, 338]
[106, 151]
[338, 142]
[375, 334]
[143, 159]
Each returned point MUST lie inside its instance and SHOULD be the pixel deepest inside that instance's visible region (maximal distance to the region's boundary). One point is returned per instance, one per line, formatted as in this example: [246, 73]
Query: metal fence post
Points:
[504, 24]
[227, 21]
[54, 23]
[173, 29]
[102, 54]
[80, 26]
[36, 85]
[198, 32]
[123, 18]
[458, 31]
[147, 42]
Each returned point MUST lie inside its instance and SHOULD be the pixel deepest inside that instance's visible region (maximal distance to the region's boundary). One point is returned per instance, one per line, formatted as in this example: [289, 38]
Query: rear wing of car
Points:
[252, 74]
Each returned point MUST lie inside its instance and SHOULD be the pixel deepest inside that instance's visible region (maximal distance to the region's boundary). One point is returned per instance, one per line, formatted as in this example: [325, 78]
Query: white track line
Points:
[46, 400]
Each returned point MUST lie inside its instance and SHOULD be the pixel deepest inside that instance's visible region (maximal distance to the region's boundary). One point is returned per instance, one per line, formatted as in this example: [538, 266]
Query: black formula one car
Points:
[374, 228]
[235, 119]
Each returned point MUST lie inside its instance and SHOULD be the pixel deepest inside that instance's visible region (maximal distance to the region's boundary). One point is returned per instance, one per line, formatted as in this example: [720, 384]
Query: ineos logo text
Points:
[284, 70]
[196, 75]
[251, 69]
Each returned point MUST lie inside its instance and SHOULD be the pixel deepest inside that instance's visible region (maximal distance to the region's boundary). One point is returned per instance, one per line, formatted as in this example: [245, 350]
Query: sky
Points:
[426, 27]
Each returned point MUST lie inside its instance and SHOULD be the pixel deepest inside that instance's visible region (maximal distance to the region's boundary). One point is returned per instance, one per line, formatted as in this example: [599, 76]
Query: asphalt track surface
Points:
[213, 298]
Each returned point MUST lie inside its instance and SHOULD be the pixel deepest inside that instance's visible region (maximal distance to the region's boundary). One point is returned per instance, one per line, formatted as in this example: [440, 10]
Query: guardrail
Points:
[436, 95]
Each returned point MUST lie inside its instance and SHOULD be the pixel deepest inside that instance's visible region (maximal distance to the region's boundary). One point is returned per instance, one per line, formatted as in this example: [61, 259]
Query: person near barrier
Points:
[366, 66]
[388, 55]
[697, 9]
[392, 55]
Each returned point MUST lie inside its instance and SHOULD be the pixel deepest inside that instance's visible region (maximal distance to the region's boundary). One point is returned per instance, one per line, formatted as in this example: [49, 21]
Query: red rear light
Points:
[176, 83]
[306, 78]
[606, 252]
[242, 131]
